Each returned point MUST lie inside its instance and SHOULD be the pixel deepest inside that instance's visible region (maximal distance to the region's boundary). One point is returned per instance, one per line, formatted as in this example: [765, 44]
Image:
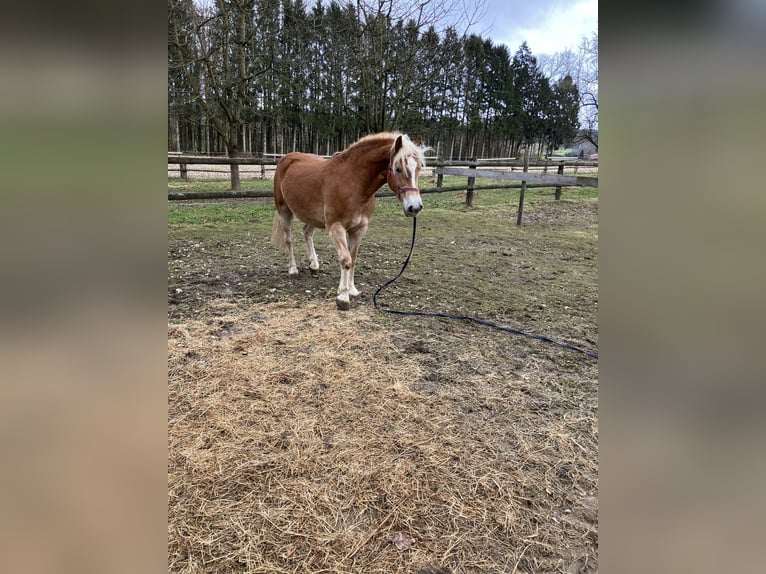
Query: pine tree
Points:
[565, 109]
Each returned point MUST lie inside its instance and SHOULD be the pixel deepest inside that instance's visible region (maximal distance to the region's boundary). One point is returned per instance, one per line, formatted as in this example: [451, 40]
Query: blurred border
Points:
[681, 286]
[82, 301]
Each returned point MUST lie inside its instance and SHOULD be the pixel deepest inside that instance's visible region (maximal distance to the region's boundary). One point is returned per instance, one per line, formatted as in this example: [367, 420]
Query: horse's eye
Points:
[398, 170]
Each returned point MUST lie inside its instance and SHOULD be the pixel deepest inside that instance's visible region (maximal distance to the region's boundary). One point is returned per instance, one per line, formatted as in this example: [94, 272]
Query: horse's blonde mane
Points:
[409, 148]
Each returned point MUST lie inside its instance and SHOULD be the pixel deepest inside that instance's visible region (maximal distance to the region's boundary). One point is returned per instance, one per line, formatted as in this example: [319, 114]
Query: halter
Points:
[397, 190]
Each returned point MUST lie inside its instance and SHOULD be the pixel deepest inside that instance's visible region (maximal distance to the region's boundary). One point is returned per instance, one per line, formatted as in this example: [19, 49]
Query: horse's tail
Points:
[277, 235]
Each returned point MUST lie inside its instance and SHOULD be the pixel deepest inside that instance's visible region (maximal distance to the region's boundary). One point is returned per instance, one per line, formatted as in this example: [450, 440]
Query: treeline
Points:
[272, 76]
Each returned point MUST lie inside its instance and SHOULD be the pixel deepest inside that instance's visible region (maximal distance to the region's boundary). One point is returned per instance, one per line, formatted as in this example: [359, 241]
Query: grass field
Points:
[304, 439]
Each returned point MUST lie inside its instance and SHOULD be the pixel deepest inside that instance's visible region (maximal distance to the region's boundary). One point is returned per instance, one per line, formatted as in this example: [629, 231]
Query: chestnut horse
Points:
[338, 194]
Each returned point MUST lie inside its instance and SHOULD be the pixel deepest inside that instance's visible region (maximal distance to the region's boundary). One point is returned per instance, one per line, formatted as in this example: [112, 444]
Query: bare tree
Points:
[389, 77]
[222, 32]
[588, 85]
[582, 67]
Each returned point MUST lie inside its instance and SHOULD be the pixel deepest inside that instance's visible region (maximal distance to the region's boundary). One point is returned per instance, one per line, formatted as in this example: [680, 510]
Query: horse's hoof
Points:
[354, 295]
[315, 272]
[343, 305]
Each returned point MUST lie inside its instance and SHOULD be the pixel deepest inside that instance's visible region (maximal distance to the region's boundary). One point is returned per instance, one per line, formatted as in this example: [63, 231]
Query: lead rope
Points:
[590, 354]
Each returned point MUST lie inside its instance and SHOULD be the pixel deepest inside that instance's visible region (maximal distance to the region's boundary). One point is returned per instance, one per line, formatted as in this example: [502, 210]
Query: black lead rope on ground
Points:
[464, 317]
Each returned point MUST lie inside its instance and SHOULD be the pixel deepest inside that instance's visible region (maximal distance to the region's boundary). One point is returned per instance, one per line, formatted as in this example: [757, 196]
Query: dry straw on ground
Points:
[308, 440]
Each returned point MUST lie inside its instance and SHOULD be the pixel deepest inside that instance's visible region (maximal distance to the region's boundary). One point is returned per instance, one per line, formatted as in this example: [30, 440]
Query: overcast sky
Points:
[548, 26]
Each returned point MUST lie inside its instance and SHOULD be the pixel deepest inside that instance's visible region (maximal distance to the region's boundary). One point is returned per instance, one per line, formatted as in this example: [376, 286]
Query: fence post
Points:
[183, 171]
[439, 176]
[560, 171]
[263, 171]
[523, 187]
[469, 188]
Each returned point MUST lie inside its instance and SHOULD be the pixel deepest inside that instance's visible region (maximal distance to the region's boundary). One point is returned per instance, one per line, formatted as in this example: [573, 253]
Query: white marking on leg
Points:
[343, 290]
[354, 239]
[308, 234]
[352, 290]
[287, 229]
[340, 239]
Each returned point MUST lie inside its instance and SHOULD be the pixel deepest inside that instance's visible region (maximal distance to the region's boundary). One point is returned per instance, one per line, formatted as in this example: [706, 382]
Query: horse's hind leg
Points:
[283, 236]
[308, 235]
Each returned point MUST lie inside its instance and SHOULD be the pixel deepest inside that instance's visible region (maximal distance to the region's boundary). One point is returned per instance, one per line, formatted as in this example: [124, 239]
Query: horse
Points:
[338, 194]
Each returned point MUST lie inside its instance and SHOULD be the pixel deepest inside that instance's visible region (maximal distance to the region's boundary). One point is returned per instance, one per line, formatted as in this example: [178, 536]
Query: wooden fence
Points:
[539, 180]
[467, 168]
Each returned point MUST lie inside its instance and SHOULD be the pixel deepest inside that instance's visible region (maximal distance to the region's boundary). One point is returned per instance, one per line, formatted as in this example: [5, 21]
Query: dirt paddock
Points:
[304, 439]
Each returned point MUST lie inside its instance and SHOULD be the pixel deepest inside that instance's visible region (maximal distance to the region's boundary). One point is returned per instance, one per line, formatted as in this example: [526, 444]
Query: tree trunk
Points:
[235, 182]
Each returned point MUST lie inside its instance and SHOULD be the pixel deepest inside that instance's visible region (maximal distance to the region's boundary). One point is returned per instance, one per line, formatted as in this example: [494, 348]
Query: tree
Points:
[582, 67]
[563, 114]
[220, 68]
[449, 94]
[275, 76]
[589, 91]
[474, 93]
[183, 73]
[388, 53]
[531, 92]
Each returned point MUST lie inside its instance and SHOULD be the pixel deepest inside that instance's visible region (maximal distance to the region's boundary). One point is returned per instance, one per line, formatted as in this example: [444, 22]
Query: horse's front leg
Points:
[308, 235]
[354, 239]
[340, 240]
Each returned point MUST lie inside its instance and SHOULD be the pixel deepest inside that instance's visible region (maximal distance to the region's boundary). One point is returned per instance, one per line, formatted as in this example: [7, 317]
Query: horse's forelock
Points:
[409, 148]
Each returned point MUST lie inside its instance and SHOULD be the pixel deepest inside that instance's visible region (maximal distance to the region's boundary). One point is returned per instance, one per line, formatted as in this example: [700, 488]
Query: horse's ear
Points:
[397, 144]
[419, 141]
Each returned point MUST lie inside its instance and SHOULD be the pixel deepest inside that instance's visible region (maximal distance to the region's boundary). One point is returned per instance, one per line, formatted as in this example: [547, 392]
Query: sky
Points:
[548, 26]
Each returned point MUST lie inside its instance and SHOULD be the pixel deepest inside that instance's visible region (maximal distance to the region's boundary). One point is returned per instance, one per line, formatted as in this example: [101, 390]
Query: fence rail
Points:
[467, 168]
[558, 180]
[221, 160]
[382, 192]
[203, 160]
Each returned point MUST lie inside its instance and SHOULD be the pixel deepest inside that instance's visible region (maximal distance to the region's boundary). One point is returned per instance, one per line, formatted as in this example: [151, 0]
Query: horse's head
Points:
[405, 162]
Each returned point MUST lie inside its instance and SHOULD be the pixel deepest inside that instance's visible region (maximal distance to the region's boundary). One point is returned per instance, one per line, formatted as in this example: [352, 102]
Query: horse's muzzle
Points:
[412, 204]
[413, 210]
